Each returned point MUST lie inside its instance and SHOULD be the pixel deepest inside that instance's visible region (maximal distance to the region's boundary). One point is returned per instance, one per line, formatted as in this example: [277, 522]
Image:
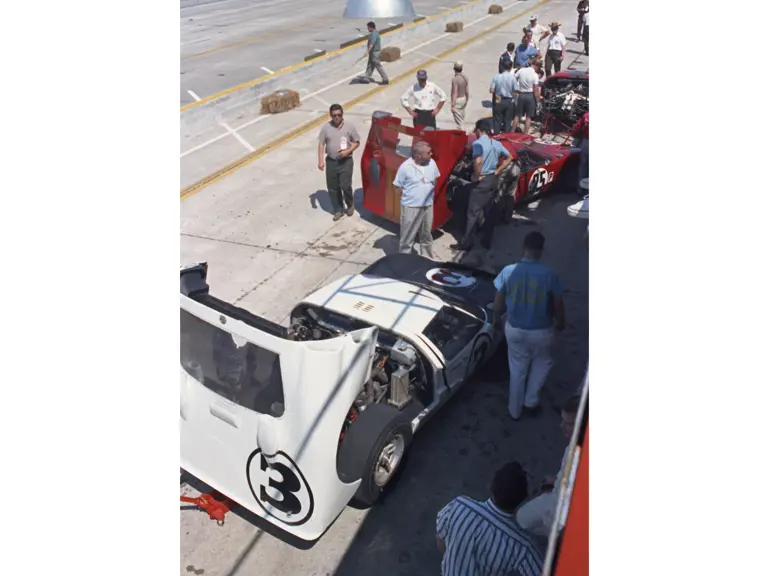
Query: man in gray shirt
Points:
[374, 54]
[335, 145]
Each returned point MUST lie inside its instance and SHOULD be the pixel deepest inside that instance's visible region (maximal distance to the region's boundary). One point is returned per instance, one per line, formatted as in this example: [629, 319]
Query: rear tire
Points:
[373, 449]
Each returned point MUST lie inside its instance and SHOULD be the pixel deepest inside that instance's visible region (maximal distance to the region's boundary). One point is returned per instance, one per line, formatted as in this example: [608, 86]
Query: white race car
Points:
[293, 423]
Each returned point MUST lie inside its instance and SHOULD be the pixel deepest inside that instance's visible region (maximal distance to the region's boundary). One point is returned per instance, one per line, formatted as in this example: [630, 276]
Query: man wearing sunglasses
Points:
[336, 143]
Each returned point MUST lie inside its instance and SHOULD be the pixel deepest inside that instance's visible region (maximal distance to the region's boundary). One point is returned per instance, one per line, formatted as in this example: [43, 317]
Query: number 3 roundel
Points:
[279, 487]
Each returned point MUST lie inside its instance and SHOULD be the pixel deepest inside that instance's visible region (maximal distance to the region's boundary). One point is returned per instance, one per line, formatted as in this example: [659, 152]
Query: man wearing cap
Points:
[459, 94]
[503, 87]
[373, 51]
[524, 52]
[486, 170]
[509, 55]
[538, 32]
[423, 101]
[527, 97]
[555, 49]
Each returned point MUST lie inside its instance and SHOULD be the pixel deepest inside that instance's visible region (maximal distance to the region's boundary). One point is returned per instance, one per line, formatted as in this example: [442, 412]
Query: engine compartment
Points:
[566, 99]
[399, 376]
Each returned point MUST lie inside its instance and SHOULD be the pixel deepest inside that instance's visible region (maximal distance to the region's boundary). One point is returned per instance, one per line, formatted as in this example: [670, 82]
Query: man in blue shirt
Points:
[503, 87]
[524, 53]
[533, 296]
[485, 159]
[415, 181]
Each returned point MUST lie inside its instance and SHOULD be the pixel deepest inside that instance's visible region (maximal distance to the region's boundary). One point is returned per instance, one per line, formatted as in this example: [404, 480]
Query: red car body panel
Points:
[541, 164]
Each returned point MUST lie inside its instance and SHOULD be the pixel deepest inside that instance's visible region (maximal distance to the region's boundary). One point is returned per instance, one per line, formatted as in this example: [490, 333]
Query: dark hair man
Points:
[483, 538]
[533, 297]
[336, 142]
[373, 51]
[485, 158]
[507, 56]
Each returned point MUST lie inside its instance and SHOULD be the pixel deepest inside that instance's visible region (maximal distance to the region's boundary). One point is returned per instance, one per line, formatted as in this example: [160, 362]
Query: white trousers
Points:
[530, 360]
[537, 514]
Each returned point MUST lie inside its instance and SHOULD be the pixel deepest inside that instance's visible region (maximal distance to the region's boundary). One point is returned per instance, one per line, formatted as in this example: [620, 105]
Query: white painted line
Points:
[195, 96]
[323, 102]
[267, 70]
[238, 137]
[314, 94]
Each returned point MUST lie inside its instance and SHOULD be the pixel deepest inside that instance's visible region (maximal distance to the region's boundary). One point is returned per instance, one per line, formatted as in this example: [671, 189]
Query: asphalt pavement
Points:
[228, 42]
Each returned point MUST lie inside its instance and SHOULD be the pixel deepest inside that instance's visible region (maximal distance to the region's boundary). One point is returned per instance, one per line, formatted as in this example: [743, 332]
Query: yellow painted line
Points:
[327, 55]
[259, 37]
[306, 127]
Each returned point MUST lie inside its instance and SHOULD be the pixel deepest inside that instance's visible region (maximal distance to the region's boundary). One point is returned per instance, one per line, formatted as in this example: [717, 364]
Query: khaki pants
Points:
[416, 221]
[460, 112]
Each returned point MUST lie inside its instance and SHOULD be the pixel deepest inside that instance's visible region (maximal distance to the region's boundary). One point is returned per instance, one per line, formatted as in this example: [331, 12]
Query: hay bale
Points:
[495, 9]
[280, 101]
[390, 54]
[454, 26]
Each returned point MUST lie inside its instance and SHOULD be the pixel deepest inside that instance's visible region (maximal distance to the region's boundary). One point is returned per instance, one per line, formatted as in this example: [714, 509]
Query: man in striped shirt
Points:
[483, 538]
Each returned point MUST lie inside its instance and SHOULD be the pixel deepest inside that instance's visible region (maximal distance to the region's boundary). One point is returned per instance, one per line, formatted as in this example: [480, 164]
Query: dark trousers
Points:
[424, 118]
[478, 216]
[503, 111]
[553, 57]
[580, 26]
[585, 38]
[338, 179]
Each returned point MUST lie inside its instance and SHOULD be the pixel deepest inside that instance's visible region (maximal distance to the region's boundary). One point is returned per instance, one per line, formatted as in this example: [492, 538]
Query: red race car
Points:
[565, 99]
[543, 166]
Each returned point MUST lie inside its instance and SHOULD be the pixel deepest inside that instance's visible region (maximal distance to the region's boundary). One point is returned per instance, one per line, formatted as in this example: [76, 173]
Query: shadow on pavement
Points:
[458, 451]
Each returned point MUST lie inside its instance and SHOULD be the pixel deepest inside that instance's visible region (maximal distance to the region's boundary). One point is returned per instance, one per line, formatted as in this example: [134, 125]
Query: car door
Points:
[260, 415]
[465, 349]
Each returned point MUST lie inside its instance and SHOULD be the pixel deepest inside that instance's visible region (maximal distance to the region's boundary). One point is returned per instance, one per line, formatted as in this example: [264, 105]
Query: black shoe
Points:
[384, 82]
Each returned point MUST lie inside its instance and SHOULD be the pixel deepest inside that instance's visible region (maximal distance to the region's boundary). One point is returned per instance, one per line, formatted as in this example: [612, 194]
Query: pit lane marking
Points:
[227, 127]
[313, 94]
[300, 64]
[307, 126]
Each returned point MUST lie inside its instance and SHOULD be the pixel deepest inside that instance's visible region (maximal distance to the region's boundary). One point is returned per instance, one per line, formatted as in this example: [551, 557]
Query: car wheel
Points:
[373, 449]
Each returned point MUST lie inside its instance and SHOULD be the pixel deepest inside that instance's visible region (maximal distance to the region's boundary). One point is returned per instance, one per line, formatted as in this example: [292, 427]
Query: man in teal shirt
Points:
[533, 296]
[373, 52]
[485, 159]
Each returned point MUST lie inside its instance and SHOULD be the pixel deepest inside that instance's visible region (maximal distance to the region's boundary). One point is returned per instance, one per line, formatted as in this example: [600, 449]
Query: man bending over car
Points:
[486, 169]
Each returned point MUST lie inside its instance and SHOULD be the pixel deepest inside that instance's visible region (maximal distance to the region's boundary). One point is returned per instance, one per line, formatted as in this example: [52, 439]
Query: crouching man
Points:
[415, 182]
[483, 538]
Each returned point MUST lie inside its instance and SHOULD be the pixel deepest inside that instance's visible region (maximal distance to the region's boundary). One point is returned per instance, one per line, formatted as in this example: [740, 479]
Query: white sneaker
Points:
[580, 209]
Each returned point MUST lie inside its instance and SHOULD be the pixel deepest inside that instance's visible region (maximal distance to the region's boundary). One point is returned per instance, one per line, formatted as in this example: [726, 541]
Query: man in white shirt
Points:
[415, 182]
[423, 101]
[585, 34]
[538, 32]
[556, 49]
[538, 514]
[528, 97]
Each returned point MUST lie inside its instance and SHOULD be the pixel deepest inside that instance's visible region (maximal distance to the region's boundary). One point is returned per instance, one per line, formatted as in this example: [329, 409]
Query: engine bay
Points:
[566, 100]
[398, 377]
